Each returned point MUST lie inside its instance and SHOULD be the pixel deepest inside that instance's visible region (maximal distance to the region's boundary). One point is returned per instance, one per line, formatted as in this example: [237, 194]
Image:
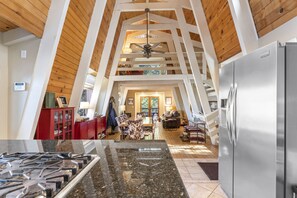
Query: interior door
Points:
[225, 145]
[255, 147]
[154, 101]
[149, 105]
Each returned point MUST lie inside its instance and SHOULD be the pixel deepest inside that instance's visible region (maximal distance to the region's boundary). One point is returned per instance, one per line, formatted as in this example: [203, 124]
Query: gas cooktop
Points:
[42, 174]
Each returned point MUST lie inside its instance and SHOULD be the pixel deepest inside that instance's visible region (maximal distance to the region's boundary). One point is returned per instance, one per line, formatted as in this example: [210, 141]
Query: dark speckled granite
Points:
[126, 169]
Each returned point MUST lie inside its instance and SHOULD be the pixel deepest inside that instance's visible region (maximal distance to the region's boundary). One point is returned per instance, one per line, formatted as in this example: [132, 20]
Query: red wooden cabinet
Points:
[55, 123]
[101, 127]
[90, 129]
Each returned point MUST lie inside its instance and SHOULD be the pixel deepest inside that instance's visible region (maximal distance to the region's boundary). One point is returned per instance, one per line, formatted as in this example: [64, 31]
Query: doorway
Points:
[149, 105]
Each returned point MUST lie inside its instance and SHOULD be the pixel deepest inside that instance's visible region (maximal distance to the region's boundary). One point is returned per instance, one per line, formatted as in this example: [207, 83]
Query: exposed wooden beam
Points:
[42, 69]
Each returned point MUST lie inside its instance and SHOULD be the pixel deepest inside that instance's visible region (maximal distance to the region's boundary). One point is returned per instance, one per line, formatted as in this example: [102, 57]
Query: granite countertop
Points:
[125, 169]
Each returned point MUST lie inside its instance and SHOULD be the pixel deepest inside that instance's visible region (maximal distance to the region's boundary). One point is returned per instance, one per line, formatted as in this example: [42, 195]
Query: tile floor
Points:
[196, 181]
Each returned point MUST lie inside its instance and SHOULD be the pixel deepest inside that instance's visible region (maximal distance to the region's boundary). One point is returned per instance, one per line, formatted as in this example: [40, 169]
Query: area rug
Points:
[210, 169]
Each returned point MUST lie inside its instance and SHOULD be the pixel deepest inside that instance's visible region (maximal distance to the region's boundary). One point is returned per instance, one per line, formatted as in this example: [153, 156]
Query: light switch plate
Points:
[23, 54]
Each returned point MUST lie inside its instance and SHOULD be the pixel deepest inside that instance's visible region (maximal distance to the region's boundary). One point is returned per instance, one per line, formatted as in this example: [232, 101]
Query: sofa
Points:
[171, 120]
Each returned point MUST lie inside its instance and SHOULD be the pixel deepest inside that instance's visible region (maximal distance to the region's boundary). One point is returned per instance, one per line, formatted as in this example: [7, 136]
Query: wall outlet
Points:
[23, 54]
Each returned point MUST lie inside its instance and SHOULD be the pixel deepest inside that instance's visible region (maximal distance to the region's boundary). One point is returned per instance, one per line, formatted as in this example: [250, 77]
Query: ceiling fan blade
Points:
[135, 44]
[156, 45]
[157, 51]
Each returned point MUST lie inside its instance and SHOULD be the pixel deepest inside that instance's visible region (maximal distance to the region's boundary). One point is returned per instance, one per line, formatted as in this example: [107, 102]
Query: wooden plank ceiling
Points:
[222, 29]
[30, 15]
[270, 14]
[70, 47]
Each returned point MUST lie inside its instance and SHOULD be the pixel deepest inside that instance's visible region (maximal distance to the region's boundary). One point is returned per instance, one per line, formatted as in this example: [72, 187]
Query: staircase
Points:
[211, 118]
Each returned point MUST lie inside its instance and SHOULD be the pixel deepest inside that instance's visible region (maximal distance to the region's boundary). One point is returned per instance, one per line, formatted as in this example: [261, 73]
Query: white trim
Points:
[193, 63]
[43, 66]
[244, 25]
[15, 36]
[103, 63]
[87, 53]
[282, 34]
[206, 41]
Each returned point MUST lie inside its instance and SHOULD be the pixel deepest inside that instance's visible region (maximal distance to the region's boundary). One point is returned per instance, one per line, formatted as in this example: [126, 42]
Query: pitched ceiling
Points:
[30, 15]
[222, 29]
[270, 14]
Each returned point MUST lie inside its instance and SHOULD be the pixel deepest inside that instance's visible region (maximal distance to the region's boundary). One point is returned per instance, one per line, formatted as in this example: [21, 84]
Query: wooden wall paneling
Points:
[30, 15]
[222, 29]
[270, 14]
[70, 47]
[96, 58]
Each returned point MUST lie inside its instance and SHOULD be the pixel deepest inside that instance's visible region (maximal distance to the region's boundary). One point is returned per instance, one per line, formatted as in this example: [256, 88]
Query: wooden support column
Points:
[104, 62]
[4, 91]
[207, 43]
[244, 25]
[43, 66]
[87, 53]
[193, 62]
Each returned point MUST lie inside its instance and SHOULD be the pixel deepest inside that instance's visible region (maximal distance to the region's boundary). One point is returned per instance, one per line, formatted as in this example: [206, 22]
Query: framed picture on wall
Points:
[62, 101]
[168, 101]
[130, 101]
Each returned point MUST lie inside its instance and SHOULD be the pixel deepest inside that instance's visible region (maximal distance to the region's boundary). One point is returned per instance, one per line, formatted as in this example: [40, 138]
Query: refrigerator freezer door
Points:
[225, 145]
[256, 132]
[291, 118]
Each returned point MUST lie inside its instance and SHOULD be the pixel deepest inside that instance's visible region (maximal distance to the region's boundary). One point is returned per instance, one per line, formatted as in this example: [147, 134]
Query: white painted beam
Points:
[135, 7]
[148, 68]
[149, 78]
[103, 62]
[43, 66]
[177, 102]
[185, 100]
[118, 51]
[150, 62]
[87, 53]
[244, 25]
[193, 62]
[108, 95]
[206, 40]
[159, 26]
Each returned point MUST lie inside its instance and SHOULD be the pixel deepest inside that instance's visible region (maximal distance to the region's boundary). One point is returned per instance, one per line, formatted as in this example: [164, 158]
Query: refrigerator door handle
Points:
[228, 115]
[234, 115]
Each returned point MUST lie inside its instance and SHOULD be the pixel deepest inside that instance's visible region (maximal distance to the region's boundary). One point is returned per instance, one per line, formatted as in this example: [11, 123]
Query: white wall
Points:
[20, 70]
[3, 90]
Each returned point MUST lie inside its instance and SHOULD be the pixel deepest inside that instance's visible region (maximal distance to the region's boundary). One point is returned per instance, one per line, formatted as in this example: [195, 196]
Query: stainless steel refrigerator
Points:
[258, 115]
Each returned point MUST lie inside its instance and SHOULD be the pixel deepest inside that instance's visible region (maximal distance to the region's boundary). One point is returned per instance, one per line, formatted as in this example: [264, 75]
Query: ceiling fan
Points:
[148, 49]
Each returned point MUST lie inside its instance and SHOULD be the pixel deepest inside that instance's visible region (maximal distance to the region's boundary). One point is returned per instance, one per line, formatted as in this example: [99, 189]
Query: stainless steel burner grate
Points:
[42, 174]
